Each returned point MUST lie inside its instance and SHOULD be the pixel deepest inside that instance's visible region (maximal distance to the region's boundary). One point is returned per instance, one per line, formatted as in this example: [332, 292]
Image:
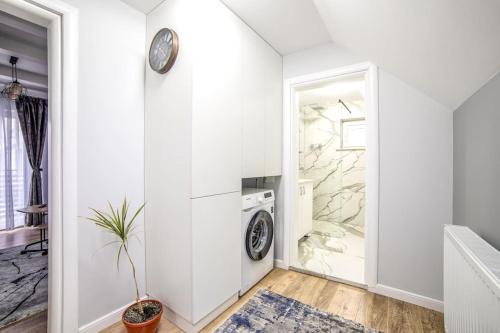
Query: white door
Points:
[216, 137]
[254, 136]
[262, 107]
[216, 251]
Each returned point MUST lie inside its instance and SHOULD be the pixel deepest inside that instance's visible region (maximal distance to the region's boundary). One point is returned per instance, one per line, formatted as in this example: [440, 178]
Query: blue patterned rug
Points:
[269, 312]
[23, 284]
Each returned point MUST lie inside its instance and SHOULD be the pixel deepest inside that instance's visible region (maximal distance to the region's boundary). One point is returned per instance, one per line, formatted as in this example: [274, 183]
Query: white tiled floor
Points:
[334, 250]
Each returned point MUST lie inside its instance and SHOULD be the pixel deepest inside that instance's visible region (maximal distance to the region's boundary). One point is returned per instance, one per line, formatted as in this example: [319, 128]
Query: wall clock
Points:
[163, 50]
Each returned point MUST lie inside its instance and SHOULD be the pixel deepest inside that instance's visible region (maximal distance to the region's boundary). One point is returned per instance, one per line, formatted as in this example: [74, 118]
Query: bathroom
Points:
[330, 230]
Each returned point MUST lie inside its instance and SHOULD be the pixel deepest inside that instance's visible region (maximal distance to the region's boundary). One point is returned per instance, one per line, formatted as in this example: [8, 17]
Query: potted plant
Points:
[142, 316]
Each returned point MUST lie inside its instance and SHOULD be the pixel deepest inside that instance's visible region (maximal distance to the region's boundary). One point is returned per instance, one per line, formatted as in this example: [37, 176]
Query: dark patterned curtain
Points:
[33, 117]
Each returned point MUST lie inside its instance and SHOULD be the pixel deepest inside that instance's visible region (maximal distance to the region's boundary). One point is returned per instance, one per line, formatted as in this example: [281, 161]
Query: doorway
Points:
[24, 170]
[331, 174]
[60, 22]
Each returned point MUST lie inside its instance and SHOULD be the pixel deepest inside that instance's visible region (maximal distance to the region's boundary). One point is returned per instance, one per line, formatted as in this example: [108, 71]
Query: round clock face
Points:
[163, 50]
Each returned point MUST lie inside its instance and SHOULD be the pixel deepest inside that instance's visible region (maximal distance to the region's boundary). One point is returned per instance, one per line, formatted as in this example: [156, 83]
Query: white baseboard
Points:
[409, 297]
[424, 301]
[280, 264]
[187, 327]
[105, 321]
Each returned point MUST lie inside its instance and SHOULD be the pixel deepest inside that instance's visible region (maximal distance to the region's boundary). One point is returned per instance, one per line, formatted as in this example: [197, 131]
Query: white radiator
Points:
[471, 283]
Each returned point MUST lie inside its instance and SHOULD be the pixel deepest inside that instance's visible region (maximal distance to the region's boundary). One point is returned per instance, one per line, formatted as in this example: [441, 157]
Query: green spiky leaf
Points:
[115, 222]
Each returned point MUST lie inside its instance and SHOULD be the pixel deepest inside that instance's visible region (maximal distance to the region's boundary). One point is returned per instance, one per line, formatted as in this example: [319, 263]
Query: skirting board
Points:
[409, 297]
[381, 289]
[105, 321]
[190, 328]
[280, 264]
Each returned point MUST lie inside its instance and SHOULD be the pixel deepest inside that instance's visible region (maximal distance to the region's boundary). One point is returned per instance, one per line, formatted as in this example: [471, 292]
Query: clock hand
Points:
[162, 51]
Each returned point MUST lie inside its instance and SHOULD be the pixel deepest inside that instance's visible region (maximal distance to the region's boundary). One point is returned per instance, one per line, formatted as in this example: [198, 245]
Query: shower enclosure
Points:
[332, 157]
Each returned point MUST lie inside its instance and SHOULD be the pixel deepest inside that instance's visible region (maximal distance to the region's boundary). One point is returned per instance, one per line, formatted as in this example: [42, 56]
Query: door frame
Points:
[61, 21]
[290, 161]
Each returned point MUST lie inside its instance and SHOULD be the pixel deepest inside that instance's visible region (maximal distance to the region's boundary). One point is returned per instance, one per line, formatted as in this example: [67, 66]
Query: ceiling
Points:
[447, 49]
[144, 6]
[28, 42]
[288, 25]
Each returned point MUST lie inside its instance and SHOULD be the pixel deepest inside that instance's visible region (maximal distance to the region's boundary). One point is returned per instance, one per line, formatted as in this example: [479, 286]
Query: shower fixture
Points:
[347, 108]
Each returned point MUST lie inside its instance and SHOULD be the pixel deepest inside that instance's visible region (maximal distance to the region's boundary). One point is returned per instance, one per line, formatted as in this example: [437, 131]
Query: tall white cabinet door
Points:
[262, 107]
[274, 113]
[254, 103]
[216, 139]
[217, 245]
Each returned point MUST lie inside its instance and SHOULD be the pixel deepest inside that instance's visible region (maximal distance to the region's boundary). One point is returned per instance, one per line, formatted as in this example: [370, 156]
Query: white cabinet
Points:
[193, 163]
[226, 84]
[274, 116]
[305, 208]
[254, 137]
[216, 220]
[217, 103]
[262, 107]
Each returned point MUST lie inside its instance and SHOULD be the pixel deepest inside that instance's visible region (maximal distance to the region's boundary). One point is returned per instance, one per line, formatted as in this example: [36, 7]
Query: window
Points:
[14, 168]
[353, 133]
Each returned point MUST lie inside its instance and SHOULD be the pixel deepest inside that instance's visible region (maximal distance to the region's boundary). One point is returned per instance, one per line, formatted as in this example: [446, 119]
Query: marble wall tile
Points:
[339, 175]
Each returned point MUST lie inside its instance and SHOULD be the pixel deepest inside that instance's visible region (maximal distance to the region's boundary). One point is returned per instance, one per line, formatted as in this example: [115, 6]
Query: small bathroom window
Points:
[353, 133]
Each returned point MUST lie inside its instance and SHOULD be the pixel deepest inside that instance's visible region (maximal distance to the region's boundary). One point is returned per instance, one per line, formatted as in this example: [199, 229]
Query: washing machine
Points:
[257, 232]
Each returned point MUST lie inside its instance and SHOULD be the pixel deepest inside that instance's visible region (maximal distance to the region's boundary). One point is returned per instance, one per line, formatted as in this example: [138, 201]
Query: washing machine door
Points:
[259, 235]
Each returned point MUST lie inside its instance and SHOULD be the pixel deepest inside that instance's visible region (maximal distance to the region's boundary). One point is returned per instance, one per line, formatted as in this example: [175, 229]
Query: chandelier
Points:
[14, 89]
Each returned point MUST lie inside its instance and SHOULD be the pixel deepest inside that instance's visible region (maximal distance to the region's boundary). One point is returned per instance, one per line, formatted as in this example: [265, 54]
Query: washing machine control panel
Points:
[252, 197]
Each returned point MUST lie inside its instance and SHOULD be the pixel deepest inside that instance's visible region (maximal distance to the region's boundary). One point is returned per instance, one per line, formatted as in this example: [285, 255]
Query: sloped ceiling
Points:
[446, 48]
[288, 25]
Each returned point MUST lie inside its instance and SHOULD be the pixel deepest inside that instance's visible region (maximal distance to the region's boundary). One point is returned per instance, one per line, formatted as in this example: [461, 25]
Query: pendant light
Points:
[14, 89]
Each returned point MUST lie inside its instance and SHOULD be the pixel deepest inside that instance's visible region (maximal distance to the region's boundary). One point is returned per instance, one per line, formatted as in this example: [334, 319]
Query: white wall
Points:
[416, 168]
[110, 146]
[416, 184]
[316, 59]
[476, 163]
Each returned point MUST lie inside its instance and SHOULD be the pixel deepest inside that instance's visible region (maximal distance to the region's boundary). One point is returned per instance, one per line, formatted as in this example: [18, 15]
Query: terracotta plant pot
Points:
[150, 326]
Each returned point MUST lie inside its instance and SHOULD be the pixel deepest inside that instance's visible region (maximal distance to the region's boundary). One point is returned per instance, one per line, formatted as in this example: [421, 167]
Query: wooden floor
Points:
[372, 310]
[19, 236]
[34, 324]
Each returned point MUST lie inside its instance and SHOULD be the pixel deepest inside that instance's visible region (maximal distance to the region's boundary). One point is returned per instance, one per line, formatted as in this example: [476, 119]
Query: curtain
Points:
[13, 167]
[33, 118]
